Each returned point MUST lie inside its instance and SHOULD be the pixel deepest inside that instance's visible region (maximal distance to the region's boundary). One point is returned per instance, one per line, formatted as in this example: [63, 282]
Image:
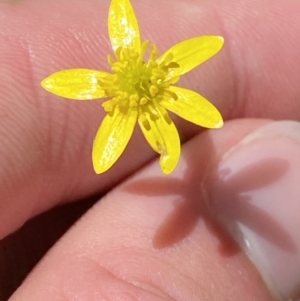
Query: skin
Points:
[135, 242]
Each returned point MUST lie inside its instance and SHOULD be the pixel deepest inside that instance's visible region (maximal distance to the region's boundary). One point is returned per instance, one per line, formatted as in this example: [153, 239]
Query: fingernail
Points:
[254, 192]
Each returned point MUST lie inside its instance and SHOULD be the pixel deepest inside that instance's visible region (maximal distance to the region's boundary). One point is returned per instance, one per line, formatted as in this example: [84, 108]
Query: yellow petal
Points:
[192, 52]
[163, 137]
[77, 84]
[112, 138]
[123, 26]
[194, 108]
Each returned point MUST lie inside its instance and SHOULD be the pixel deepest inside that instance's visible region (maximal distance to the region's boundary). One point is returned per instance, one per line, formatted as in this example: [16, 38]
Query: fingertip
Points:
[253, 192]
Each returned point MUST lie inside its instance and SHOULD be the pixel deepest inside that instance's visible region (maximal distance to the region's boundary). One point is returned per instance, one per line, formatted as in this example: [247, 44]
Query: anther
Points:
[124, 94]
[117, 66]
[134, 98]
[153, 54]
[153, 79]
[110, 60]
[143, 100]
[107, 106]
[125, 64]
[145, 45]
[124, 55]
[153, 90]
[132, 103]
[118, 53]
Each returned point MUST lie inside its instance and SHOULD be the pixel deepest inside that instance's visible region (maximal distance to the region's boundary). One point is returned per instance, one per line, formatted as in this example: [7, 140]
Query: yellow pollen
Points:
[137, 82]
[143, 100]
[133, 100]
[153, 90]
[133, 103]
[110, 60]
[145, 45]
[107, 106]
[153, 80]
[134, 97]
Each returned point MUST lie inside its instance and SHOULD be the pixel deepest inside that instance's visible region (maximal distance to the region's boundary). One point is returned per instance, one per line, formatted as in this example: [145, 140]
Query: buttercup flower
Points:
[140, 90]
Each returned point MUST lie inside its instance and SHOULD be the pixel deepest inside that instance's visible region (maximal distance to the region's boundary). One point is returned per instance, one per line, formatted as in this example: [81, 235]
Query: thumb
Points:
[254, 192]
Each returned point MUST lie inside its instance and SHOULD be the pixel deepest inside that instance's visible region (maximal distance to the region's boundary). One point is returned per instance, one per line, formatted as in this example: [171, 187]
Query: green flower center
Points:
[137, 83]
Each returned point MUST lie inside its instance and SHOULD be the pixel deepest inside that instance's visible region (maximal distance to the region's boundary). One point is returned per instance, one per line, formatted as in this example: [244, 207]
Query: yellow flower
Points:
[140, 90]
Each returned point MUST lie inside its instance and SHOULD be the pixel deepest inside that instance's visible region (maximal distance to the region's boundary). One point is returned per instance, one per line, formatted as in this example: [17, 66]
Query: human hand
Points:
[153, 236]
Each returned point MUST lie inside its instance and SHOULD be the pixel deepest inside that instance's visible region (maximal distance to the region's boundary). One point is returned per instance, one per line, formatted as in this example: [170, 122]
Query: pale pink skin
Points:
[132, 245]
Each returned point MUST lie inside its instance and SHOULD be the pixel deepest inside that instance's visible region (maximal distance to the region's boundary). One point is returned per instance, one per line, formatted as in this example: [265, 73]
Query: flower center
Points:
[137, 83]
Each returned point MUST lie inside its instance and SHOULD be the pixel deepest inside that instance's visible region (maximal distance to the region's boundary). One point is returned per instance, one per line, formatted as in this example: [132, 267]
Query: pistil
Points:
[137, 83]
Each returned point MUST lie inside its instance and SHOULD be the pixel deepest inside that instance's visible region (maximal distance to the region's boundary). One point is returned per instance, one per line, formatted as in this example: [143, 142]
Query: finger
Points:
[46, 141]
[254, 193]
[20, 251]
[152, 239]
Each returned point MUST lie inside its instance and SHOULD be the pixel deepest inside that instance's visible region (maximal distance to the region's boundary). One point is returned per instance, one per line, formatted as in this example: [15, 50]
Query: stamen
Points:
[153, 79]
[153, 54]
[133, 55]
[117, 66]
[108, 106]
[125, 64]
[133, 100]
[118, 53]
[133, 103]
[110, 60]
[143, 100]
[126, 53]
[144, 48]
[134, 97]
[115, 80]
[124, 94]
[136, 83]
[153, 90]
